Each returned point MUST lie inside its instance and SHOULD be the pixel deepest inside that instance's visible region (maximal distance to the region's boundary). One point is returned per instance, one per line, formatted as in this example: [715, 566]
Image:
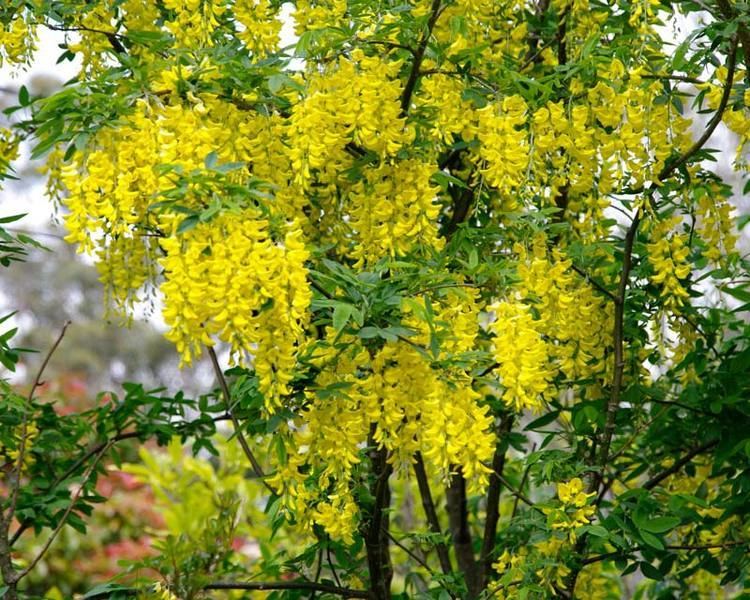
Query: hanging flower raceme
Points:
[522, 355]
[668, 255]
[230, 279]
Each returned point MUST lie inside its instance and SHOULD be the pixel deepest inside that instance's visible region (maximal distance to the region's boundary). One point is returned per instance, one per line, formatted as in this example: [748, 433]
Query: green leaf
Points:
[651, 571]
[341, 314]
[651, 540]
[659, 524]
[445, 180]
[542, 421]
[188, 223]
[596, 530]
[106, 589]
[211, 160]
[740, 293]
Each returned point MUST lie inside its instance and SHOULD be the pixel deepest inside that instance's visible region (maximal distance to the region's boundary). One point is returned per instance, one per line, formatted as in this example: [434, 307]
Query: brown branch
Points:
[730, 544]
[411, 82]
[710, 128]
[594, 282]
[493, 501]
[673, 77]
[16, 475]
[715, 120]
[657, 479]
[618, 338]
[391, 45]
[290, 585]
[235, 422]
[376, 540]
[619, 345]
[431, 513]
[87, 474]
[524, 477]
[112, 37]
[458, 519]
[514, 492]
[618, 553]
[729, 13]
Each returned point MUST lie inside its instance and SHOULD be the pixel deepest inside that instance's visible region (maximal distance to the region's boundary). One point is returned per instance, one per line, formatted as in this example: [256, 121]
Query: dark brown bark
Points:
[431, 513]
[493, 502]
[458, 518]
[376, 532]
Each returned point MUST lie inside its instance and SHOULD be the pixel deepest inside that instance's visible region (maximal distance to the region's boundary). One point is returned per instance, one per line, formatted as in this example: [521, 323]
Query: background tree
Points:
[462, 251]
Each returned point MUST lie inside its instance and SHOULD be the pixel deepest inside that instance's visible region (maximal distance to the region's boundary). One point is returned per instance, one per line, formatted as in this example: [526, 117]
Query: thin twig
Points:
[235, 422]
[421, 561]
[16, 477]
[431, 513]
[330, 565]
[66, 514]
[594, 282]
[517, 494]
[657, 479]
[411, 82]
[524, 477]
[493, 500]
[289, 585]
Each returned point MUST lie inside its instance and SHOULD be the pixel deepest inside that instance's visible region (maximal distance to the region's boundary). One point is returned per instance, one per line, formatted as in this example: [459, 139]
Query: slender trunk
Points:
[493, 502]
[458, 517]
[376, 538]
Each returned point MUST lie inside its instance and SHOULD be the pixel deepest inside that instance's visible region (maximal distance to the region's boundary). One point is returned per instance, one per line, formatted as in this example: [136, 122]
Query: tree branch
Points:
[458, 518]
[429, 509]
[376, 540]
[658, 478]
[493, 501]
[235, 422]
[411, 82]
[87, 474]
[16, 475]
[289, 585]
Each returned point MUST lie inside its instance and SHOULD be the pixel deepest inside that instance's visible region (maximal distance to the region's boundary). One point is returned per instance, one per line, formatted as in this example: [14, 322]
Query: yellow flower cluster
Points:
[260, 26]
[17, 38]
[391, 209]
[356, 101]
[556, 324]
[721, 530]
[32, 431]
[575, 511]
[229, 278]
[162, 592]
[392, 398]
[455, 319]
[497, 28]
[454, 116]
[9, 143]
[194, 21]
[93, 47]
[318, 14]
[503, 150]
[668, 255]
[572, 317]
[715, 224]
[522, 357]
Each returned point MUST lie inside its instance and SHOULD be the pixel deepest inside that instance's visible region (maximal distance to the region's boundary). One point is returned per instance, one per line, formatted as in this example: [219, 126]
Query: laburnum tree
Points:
[470, 266]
